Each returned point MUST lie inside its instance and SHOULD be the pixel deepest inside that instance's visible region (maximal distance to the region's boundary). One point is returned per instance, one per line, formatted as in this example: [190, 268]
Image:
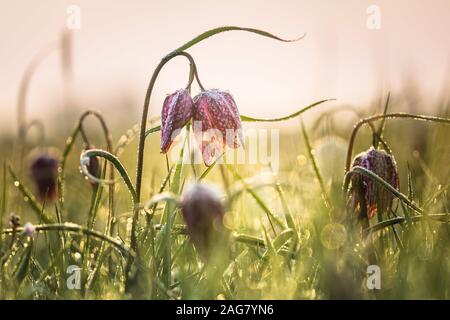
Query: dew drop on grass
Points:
[301, 160]
[16, 183]
[306, 234]
[77, 256]
[333, 236]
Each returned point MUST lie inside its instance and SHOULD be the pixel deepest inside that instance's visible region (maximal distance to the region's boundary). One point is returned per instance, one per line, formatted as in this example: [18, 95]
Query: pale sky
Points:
[120, 43]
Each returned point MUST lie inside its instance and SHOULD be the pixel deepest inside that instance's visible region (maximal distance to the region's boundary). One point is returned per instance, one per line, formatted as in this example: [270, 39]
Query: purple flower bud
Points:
[217, 123]
[383, 165]
[29, 229]
[176, 112]
[14, 221]
[203, 213]
[44, 171]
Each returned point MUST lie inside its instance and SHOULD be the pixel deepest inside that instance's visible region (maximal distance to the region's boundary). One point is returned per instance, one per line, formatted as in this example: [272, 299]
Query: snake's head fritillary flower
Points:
[203, 213]
[217, 123]
[176, 112]
[44, 171]
[377, 198]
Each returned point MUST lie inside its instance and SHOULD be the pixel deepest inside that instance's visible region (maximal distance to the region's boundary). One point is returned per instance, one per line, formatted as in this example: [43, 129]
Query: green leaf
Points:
[270, 215]
[282, 238]
[383, 121]
[316, 168]
[293, 115]
[22, 269]
[152, 130]
[31, 199]
[215, 31]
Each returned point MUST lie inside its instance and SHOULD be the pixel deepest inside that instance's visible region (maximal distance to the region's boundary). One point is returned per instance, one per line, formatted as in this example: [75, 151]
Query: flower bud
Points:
[176, 112]
[203, 213]
[14, 221]
[377, 198]
[217, 123]
[44, 171]
[29, 229]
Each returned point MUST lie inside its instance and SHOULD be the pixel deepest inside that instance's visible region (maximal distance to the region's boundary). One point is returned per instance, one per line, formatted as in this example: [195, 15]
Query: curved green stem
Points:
[442, 217]
[385, 116]
[72, 227]
[84, 157]
[109, 148]
[142, 133]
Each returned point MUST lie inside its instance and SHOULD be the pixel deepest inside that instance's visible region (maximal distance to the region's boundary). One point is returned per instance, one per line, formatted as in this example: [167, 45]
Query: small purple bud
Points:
[44, 171]
[216, 113]
[176, 112]
[203, 213]
[383, 165]
[14, 221]
[29, 229]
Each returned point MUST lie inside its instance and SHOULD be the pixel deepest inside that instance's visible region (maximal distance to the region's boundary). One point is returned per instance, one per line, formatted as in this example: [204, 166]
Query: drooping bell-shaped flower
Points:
[217, 123]
[376, 198]
[203, 213]
[176, 112]
[44, 171]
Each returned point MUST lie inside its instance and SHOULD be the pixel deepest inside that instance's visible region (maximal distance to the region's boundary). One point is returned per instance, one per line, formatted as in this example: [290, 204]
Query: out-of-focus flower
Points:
[44, 171]
[29, 229]
[14, 221]
[203, 213]
[176, 112]
[217, 123]
[377, 199]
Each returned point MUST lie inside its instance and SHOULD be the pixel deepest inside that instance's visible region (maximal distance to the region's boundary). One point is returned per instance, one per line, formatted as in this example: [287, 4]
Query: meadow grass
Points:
[291, 232]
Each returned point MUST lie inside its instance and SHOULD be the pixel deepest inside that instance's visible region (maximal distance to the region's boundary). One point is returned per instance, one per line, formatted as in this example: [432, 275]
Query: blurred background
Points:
[110, 58]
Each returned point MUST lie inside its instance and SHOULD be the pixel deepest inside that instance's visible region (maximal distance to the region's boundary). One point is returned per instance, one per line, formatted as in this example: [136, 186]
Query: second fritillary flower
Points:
[376, 198]
[217, 123]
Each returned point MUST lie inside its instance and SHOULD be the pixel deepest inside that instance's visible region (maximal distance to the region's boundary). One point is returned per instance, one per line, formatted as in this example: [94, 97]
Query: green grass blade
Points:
[152, 130]
[290, 116]
[270, 215]
[316, 167]
[218, 30]
[387, 186]
[382, 124]
[31, 199]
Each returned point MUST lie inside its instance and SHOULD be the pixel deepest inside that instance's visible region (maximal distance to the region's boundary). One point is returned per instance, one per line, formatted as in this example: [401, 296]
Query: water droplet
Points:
[77, 256]
[306, 234]
[16, 183]
[301, 160]
[333, 236]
